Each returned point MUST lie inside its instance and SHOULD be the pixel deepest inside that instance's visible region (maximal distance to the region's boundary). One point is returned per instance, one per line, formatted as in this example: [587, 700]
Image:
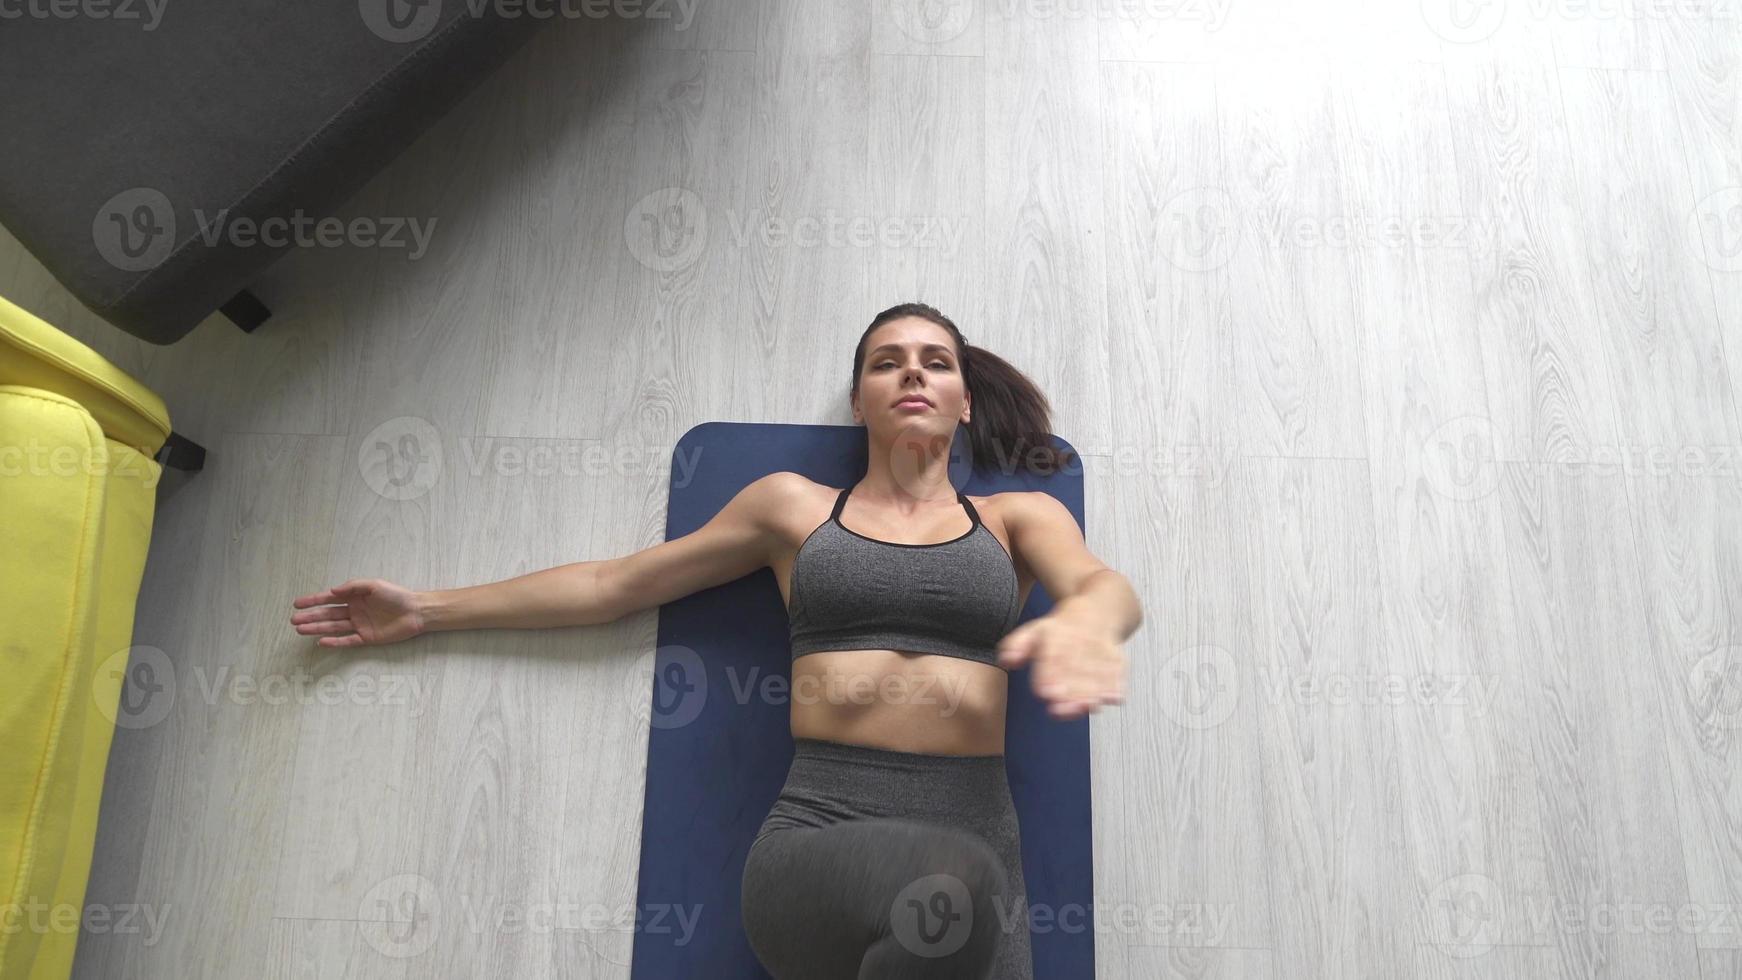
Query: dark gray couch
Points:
[123, 132]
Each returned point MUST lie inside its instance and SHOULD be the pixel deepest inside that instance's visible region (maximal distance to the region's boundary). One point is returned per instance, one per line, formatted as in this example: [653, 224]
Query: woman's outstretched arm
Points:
[567, 595]
[735, 542]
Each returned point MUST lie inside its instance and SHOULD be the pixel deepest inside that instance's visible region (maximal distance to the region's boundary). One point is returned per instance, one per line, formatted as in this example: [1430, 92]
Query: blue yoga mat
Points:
[720, 742]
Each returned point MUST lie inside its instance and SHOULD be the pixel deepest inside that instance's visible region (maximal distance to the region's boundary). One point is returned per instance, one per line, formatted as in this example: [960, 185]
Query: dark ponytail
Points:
[1011, 427]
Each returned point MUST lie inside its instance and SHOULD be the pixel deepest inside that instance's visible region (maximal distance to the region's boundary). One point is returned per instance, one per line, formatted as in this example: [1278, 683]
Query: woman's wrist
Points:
[435, 609]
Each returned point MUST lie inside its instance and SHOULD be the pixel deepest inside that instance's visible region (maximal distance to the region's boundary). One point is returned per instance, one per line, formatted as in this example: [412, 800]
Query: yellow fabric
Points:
[77, 491]
[34, 354]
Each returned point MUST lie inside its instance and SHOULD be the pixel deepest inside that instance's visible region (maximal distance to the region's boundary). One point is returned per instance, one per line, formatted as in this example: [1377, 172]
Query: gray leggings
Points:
[879, 864]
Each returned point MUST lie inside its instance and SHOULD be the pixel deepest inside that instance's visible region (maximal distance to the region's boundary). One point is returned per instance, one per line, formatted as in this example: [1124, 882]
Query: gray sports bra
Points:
[956, 598]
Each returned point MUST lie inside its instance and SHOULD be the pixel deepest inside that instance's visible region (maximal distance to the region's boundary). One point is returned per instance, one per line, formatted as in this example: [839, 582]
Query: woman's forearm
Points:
[567, 595]
[1106, 600]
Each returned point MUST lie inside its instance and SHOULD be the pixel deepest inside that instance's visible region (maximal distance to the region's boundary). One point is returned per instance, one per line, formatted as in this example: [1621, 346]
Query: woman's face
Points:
[911, 378]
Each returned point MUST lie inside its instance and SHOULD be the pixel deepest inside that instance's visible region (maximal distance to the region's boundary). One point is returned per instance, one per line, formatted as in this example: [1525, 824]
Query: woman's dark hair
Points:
[1011, 426]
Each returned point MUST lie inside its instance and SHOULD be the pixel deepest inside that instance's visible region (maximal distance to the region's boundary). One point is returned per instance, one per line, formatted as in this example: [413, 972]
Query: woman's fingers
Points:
[1065, 702]
[322, 614]
[327, 614]
[331, 627]
[338, 593]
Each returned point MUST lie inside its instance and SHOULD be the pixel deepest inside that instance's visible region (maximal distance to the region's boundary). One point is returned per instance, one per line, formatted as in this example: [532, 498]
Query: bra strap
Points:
[840, 502]
[973, 514]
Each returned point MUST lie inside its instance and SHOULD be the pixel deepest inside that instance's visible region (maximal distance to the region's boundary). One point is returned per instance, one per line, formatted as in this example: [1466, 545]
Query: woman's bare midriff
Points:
[908, 702]
[894, 699]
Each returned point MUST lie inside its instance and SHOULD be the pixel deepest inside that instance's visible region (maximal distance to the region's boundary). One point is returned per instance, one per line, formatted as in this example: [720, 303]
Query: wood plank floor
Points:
[1403, 341]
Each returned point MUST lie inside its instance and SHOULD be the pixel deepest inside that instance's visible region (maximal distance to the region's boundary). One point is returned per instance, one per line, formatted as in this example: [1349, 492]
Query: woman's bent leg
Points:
[873, 899]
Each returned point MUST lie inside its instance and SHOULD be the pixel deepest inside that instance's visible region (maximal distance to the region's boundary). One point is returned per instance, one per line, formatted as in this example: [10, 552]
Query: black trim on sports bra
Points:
[973, 525]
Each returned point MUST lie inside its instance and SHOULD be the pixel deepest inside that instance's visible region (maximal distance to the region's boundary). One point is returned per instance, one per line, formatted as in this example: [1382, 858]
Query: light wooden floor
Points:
[1342, 299]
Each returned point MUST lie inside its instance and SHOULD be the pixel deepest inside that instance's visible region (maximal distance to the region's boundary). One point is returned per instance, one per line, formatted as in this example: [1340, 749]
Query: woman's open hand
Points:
[360, 612]
[1076, 666]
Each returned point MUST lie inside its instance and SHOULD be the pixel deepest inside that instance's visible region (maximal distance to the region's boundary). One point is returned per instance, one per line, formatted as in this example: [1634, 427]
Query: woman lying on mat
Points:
[894, 840]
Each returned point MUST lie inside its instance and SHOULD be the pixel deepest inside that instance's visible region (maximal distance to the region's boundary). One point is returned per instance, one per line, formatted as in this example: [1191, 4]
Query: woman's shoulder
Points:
[785, 493]
[1004, 499]
[1012, 509]
[1001, 509]
[791, 483]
